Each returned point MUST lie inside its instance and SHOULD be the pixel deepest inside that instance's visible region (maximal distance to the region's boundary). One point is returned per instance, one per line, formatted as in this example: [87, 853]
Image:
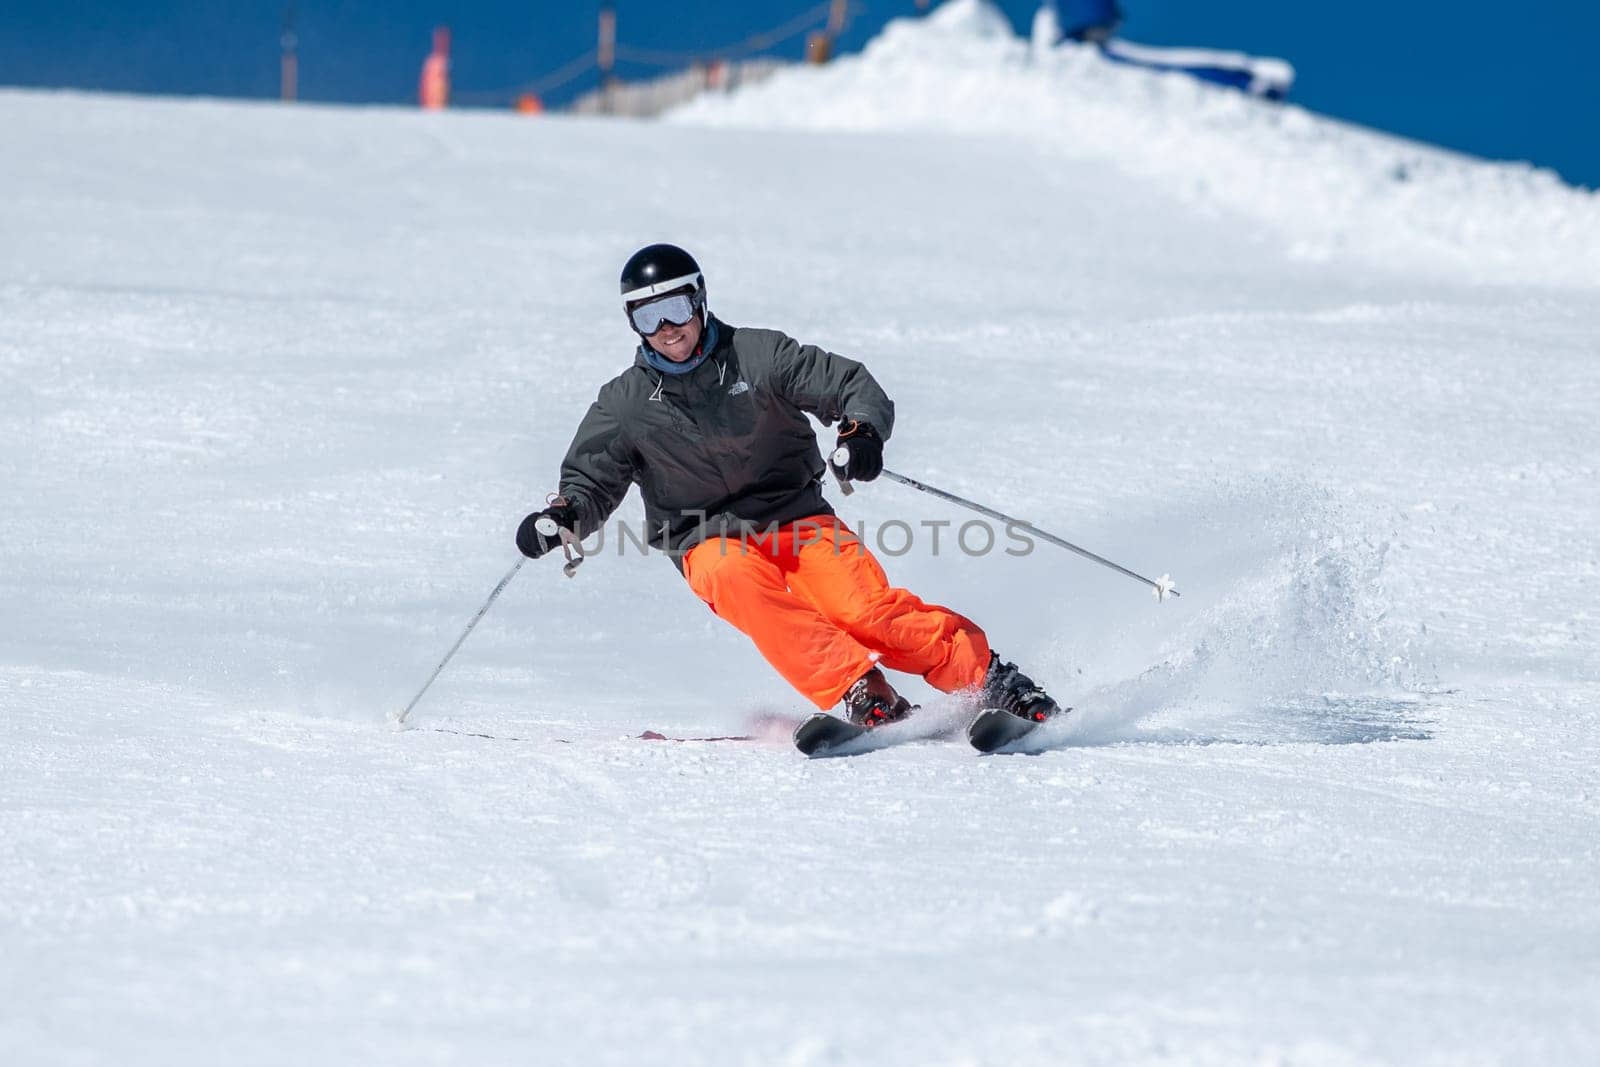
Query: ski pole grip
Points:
[571, 547]
[840, 460]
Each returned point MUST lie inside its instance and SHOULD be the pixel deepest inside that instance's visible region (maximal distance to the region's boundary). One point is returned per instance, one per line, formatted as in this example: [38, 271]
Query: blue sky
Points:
[1500, 80]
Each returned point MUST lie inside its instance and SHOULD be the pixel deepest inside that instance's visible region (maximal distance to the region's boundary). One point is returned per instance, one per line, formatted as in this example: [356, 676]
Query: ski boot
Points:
[1009, 689]
[872, 701]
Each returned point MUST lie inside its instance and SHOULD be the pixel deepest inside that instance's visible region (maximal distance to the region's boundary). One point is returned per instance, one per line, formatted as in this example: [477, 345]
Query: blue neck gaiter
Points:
[657, 362]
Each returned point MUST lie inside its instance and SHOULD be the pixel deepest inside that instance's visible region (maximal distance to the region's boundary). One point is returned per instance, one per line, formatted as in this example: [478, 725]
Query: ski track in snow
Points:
[279, 384]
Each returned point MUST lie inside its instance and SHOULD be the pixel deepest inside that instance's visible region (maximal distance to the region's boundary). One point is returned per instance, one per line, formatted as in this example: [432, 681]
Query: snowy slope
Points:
[279, 383]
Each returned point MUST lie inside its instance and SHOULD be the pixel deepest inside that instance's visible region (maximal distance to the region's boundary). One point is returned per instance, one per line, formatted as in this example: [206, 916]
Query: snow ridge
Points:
[1330, 188]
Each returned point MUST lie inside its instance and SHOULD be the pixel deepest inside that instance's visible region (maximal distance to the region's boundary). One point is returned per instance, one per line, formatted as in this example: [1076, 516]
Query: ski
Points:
[995, 728]
[822, 734]
[830, 735]
[656, 735]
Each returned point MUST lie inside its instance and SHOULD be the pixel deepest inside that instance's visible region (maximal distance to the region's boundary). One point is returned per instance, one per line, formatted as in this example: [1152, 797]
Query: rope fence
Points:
[756, 42]
[807, 21]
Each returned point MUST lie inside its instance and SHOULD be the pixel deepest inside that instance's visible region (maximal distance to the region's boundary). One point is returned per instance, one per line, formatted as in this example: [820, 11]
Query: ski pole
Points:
[571, 547]
[400, 719]
[1163, 586]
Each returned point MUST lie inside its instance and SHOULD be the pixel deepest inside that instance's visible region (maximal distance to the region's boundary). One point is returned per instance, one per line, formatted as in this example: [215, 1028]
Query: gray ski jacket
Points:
[724, 449]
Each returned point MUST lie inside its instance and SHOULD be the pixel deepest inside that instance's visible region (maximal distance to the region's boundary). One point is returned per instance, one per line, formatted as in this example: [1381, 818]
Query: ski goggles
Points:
[676, 308]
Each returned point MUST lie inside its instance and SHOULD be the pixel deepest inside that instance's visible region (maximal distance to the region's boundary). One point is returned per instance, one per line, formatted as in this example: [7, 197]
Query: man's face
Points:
[677, 343]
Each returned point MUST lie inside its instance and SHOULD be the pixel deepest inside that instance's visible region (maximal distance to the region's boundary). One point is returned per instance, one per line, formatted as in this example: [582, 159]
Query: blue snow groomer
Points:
[1096, 21]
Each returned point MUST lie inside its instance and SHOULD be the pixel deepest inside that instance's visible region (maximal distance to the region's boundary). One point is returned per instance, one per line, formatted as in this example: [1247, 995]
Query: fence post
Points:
[606, 56]
[289, 68]
[434, 91]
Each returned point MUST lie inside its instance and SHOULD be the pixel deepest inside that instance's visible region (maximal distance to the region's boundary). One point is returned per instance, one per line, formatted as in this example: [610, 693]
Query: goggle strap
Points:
[658, 288]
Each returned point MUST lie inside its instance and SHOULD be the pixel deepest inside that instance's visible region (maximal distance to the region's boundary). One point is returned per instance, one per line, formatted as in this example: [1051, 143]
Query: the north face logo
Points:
[738, 387]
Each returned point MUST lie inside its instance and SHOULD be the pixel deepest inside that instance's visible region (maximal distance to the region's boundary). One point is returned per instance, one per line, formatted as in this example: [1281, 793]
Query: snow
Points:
[280, 382]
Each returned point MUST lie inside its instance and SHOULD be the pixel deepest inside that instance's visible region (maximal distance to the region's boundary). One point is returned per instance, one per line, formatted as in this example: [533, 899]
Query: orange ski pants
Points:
[819, 607]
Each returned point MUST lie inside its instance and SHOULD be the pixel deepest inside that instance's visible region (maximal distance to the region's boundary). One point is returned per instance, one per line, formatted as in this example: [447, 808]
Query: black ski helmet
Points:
[658, 269]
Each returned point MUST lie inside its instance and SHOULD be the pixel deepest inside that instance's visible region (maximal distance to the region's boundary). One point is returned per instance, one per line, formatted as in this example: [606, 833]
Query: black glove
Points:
[532, 543]
[865, 447]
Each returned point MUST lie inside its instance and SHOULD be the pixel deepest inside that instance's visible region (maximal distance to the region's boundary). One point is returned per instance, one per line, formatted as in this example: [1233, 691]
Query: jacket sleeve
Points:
[830, 387]
[598, 469]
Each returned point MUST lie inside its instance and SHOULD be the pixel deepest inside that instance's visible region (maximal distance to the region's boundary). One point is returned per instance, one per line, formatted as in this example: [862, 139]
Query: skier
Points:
[710, 423]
